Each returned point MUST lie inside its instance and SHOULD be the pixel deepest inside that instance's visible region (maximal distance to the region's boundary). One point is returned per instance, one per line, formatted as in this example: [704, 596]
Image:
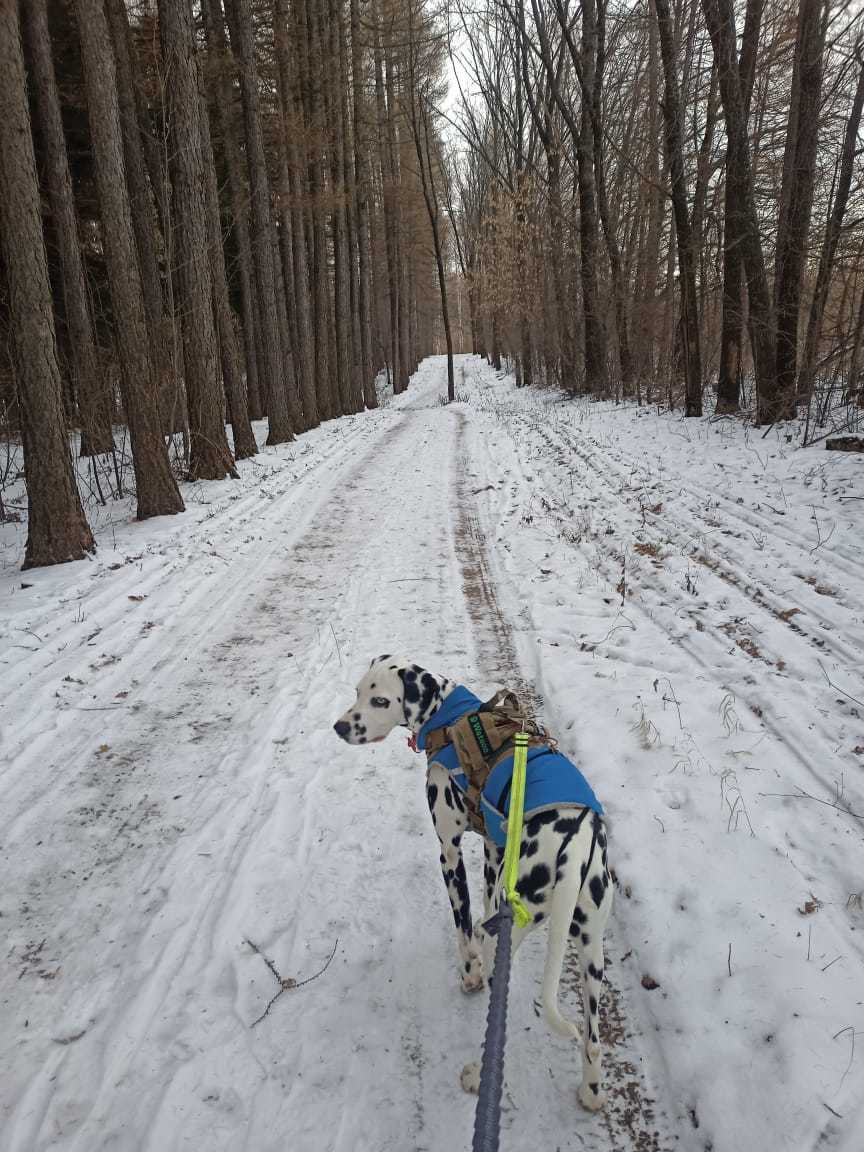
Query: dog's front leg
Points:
[451, 820]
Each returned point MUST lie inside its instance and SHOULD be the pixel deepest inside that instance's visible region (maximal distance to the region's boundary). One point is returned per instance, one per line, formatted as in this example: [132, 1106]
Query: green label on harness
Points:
[479, 734]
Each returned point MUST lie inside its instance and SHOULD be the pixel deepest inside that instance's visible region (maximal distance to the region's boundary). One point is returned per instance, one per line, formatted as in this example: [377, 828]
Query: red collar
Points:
[412, 742]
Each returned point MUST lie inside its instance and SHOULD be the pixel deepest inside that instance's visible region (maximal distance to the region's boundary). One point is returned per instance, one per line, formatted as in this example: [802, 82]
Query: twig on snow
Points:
[336, 642]
[286, 983]
[830, 962]
[850, 1029]
[837, 687]
[729, 958]
[802, 795]
[819, 540]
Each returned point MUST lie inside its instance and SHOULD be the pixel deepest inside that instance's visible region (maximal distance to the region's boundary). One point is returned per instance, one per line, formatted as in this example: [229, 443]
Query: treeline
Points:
[211, 212]
[661, 199]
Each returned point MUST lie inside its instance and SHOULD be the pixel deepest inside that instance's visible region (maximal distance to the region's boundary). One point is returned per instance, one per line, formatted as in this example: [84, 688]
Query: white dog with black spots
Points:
[563, 873]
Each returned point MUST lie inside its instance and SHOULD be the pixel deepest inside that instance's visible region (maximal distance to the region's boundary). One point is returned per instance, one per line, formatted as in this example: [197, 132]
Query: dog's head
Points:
[393, 692]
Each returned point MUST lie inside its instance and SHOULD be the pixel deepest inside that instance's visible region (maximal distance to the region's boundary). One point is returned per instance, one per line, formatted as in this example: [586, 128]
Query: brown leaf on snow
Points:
[137, 599]
[810, 906]
[787, 615]
[650, 983]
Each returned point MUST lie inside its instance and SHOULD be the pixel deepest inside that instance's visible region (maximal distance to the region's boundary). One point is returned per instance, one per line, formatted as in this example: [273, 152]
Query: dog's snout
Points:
[342, 728]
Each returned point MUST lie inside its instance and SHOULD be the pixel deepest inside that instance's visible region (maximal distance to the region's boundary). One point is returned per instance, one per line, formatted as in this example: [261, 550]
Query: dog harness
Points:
[484, 774]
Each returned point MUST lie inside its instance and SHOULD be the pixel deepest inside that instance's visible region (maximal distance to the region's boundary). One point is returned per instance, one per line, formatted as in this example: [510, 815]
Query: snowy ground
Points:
[676, 596]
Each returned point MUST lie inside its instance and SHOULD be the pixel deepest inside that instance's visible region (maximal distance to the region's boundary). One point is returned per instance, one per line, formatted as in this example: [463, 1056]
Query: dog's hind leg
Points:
[589, 922]
[451, 820]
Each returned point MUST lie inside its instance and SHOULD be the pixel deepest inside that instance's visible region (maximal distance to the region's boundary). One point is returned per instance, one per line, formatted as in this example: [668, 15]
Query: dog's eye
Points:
[379, 702]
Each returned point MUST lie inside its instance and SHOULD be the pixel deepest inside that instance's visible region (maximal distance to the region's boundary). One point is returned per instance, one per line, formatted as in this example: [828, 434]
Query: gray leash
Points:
[487, 1119]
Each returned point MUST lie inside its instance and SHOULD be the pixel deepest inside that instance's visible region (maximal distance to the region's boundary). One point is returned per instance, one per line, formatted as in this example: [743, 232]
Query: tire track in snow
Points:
[631, 1118]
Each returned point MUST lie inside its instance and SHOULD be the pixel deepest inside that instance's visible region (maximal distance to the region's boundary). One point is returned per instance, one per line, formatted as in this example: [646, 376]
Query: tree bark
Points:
[686, 257]
[732, 335]
[271, 372]
[832, 236]
[164, 348]
[209, 454]
[292, 125]
[157, 490]
[91, 393]
[57, 530]
[385, 153]
[220, 70]
[608, 224]
[229, 354]
[596, 374]
[740, 201]
[796, 199]
[361, 199]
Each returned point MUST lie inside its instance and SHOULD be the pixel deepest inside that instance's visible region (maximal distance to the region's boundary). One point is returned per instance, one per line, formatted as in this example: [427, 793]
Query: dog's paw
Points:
[590, 1099]
[470, 1078]
[472, 980]
[472, 970]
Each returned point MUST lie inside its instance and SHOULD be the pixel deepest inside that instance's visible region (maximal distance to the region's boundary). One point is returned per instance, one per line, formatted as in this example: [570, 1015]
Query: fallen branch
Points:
[802, 795]
[837, 687]
[286, 983]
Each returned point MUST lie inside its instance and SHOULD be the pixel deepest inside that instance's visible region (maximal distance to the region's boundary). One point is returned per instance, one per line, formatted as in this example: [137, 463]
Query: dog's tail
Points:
[559, 929]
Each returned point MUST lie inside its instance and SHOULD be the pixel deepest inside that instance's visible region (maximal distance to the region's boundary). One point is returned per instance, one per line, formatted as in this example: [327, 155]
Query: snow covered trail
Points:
[699, 587]
[172, 791]
[674, 594]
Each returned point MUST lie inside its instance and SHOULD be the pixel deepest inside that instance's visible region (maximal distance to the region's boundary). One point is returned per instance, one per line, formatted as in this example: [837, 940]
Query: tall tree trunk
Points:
[361, 200]
[341, 312]
[91, 392]
[422, 145]
[311, 86]
[388, 194]
[229, 354]
[56, 528]
[209, 454]
[740, 200]
[292, 126]
[732, 335]
[157, 490]
[220, 72]
[271, 371]
[832, 236]
[608, 224]
[796, 199]
[686, 257]
[350, 209]
[164, 349]
[596, 374]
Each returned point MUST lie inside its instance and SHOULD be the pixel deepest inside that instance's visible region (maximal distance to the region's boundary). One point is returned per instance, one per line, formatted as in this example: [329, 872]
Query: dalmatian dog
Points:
[563, 877]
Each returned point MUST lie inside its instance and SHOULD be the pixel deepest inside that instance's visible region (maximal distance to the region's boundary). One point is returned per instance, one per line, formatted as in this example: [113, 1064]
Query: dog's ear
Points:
[420, 690]
[379, 659]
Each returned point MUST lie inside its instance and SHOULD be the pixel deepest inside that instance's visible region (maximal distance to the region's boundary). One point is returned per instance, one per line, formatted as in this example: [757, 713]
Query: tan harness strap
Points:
[496, 724]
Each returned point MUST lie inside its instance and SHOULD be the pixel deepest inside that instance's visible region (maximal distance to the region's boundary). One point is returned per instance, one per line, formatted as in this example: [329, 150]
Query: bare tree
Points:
[209, 454]
[273, 377]
[156, 488]
[57, 529]
[92, 395]
[686, 256]
[796, 196]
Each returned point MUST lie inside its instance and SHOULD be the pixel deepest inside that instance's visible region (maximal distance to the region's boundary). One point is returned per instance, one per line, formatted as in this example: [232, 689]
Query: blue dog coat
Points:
[552, 781]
